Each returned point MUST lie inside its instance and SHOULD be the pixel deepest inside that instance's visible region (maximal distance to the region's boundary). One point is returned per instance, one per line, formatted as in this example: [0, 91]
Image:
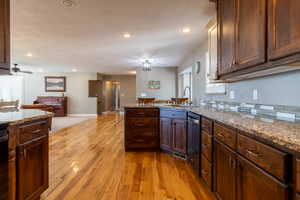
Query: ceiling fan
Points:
[16, 69]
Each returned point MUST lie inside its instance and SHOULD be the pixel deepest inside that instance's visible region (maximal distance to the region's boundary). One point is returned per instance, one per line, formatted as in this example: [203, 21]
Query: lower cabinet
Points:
[32, 168]
[166, 133]
[179, 136]
[173, 132]
[193, 145]
[298, 177]
[206, 171]
[225, 172]
[254, 183]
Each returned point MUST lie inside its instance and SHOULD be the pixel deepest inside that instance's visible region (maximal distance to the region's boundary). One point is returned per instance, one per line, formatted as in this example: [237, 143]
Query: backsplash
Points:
[281, 112]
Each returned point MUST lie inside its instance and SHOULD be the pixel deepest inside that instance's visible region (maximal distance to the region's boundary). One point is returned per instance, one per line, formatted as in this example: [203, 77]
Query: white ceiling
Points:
[89, 35]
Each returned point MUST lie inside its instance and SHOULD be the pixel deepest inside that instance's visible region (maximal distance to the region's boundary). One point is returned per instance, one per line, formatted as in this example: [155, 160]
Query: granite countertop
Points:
[280, 132]
[15, 116]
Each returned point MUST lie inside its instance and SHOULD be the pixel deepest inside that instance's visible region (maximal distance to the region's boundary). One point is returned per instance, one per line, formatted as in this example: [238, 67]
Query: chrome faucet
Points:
[188, 88]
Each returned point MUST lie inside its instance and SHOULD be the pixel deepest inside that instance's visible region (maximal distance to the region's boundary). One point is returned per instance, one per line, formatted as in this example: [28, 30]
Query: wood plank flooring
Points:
[88, 161]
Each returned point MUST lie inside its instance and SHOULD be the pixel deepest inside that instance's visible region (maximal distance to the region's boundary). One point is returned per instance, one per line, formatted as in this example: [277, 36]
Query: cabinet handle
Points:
[140, 124]
[36, 131]
[221, 135]
[204, 172]
[234, 164]
[24, 153]
[253, 153]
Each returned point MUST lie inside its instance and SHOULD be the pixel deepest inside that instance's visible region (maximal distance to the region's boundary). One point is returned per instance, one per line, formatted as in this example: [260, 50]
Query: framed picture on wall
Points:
[154, 85]
[55, 83]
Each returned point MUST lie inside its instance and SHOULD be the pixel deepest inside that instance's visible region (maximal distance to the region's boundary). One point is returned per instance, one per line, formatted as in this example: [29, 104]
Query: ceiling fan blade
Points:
[26, 72]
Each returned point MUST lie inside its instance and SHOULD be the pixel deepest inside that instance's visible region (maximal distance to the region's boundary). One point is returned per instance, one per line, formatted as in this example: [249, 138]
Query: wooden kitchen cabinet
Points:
[284, 28]
[254, 183]
[142, 129]
[166, 133]
[225, 172]
[179, 136]
[32, 168]
[226, 35]
[173, 128]
[250, 33]
[298, 176]
[194, 142]
[257, 38]
[4, 36]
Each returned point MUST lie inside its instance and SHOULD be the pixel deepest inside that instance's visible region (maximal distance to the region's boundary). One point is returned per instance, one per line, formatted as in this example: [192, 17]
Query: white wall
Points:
[77, 90]
[168, 82]
[11, 88]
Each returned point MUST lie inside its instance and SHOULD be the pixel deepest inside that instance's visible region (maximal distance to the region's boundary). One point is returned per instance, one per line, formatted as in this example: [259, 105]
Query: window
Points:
[186, 87]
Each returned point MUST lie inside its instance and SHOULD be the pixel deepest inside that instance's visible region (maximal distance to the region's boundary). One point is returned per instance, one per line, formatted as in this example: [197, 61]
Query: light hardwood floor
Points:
[87, 162]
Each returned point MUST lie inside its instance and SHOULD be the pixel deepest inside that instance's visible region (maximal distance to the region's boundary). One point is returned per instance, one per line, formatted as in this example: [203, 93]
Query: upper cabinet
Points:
[226, 36]
[250, 33]
[284, 28]
[4, 36]
[257, 38]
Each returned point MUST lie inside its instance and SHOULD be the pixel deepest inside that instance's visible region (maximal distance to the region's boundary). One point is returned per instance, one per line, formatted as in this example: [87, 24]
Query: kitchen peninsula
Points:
[24, 153]
[238, 155]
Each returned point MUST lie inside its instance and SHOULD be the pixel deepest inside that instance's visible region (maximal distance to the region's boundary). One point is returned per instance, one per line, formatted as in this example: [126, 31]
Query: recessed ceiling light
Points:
[68, 3]
[186, 30]
[74, 70]
[127, 35]
[29, 54]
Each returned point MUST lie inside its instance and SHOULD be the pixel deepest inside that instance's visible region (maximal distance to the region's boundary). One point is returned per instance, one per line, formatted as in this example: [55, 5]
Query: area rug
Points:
[59, 123]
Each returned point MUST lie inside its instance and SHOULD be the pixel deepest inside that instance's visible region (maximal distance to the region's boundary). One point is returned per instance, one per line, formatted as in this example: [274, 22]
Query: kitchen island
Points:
[224, 146]
[24, 155]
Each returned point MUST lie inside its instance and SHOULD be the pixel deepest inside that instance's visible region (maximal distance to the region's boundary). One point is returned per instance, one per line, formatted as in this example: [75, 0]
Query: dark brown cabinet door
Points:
[166, 134]
[284, 28]
[32, 169]
[179, 136]
[250, 33]
[254, 183]
[298, 176]
[194, 144]
[226, 35]
[225, 169]
[4, 36]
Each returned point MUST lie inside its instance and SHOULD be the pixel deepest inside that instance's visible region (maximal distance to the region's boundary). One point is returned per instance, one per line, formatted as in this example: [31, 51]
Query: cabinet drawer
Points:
[206, 171]
[140, 140]
[32, 131]
[142, 124]
[207, 125]
[266, 157]
[142, 112]
[173, 114]
[206, 146]
[298, 176]
[225, 135]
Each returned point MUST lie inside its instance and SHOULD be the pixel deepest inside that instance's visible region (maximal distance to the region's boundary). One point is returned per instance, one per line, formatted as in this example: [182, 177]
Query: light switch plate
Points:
[255, 94]
[232, 94]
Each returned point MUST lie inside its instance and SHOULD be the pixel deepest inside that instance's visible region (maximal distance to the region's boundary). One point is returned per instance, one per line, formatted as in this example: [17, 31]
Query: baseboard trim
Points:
[82, 115]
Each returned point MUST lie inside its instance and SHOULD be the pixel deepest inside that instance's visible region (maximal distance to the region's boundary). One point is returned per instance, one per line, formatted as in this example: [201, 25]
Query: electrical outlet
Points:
[255, 94]
[232, 94]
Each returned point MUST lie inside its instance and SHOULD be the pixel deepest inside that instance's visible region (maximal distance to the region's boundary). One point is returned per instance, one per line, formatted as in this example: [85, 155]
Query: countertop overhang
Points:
[14, 116]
